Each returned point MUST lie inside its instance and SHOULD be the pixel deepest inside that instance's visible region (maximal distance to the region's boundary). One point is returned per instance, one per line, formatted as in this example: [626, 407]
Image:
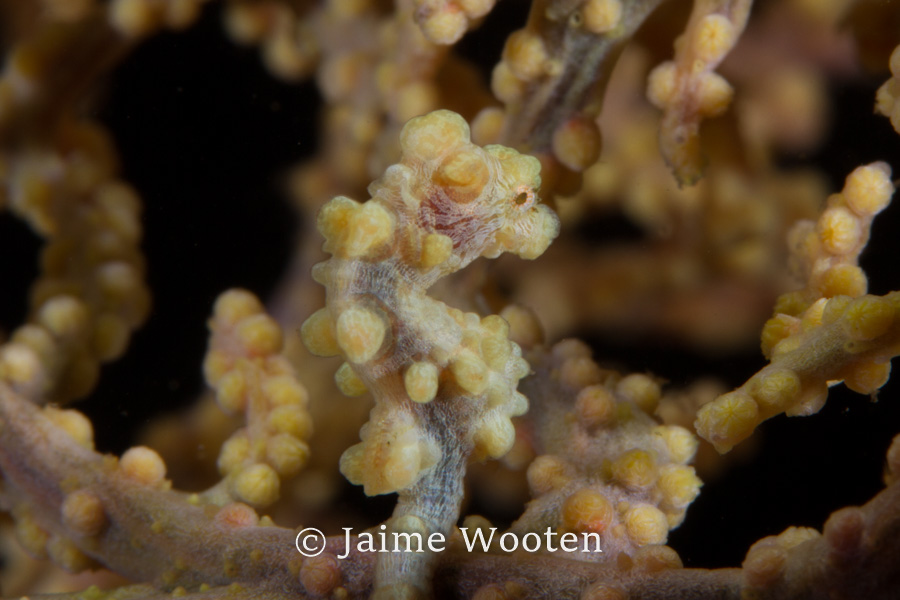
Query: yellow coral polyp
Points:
[231, 391]
[587, 511]
[66, 554]
[291, 419]
[835, 308]
[601, 16]
[256, 484]
[83, 513]
[284, 390]
[64, 316]
[714, 95]
[233, 453]
[525, 55]
[259, 334]
[681, 443]
[19, 364]
[867, 318]
[646, 525]
[233, 306]
[110, 337]
[31, 536]
[843, 280]
[867, 377]
[595, 405]
[133, 18]
[635, 469]
[813, 316]
[727, 420]
[777, 389]
[334, 219]
[496, 351]
[868, 189]
[715, 35]
[505, 85]
[576, 143]
[661, 84]
[391, 467]
[445, 27]
[287, 454]
[679, 485]
[839, 230]
[75, 424]
[640, 389]
[143, 465]
[547, 473]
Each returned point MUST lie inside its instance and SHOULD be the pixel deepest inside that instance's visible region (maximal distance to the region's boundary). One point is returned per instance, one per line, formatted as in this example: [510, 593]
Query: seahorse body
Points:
[444, 204]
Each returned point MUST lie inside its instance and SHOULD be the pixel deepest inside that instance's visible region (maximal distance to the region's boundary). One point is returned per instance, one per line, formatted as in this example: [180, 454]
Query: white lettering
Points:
[479, 536]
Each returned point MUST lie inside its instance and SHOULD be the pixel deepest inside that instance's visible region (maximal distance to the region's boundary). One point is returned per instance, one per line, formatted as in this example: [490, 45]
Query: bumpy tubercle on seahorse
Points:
[444, 381]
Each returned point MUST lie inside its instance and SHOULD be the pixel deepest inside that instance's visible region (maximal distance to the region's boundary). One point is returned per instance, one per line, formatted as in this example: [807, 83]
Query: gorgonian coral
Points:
[544, 468]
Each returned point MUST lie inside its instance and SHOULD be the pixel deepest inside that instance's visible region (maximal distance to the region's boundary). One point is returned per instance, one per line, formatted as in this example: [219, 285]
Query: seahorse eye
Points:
[524, 198]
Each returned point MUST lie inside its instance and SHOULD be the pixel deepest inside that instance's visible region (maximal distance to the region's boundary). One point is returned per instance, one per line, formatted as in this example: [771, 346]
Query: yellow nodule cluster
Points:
[826, 252]
[688, 90]
[244, 367]
[852, 340]
[90, 294]
[829, 331]
[613, 470]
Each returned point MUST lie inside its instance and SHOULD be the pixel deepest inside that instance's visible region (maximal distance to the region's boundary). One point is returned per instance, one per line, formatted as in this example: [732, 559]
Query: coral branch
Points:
[648, 270]
[249, 375]
[612, 470]
[823, 334]
[553, 75]
[688, 90]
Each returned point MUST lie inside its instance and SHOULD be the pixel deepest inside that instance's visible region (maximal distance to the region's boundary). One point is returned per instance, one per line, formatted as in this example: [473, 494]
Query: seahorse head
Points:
[485, 200]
